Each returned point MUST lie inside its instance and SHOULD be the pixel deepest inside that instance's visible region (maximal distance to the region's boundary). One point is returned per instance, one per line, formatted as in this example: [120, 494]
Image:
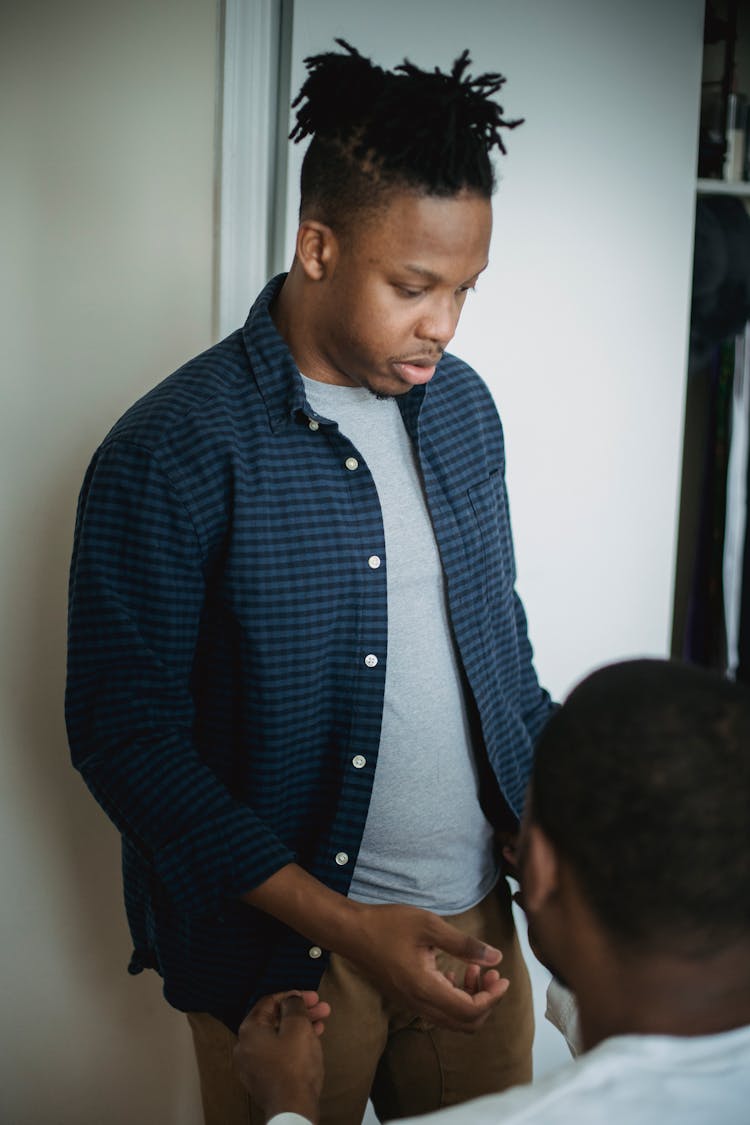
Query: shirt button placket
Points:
[374, 562]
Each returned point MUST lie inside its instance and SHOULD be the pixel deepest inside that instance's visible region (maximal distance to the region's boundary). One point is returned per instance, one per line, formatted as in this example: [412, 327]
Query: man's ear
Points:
[316, 250]
[541, 869]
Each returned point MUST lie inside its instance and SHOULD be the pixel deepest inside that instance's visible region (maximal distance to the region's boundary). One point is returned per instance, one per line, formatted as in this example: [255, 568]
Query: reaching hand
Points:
[278, 1056]
[397, 947]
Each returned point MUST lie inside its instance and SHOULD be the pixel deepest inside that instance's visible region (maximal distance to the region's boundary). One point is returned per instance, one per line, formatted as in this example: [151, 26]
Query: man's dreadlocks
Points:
[374, 131]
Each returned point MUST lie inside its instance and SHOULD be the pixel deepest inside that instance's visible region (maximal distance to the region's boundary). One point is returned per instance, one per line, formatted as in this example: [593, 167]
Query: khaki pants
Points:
[372, 1048]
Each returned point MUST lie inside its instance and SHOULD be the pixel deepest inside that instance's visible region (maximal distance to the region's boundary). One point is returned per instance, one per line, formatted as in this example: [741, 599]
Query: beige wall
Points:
[107, 211]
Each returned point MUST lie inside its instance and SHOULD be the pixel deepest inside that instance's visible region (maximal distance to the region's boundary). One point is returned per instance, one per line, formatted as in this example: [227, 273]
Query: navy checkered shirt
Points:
[222, 622]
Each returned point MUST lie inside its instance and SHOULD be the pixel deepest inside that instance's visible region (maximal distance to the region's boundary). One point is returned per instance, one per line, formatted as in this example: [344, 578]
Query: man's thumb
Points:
[292, 1006]
[463, 946]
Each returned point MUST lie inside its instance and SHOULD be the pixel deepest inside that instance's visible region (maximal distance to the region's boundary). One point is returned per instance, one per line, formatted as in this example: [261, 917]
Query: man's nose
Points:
[438, 323]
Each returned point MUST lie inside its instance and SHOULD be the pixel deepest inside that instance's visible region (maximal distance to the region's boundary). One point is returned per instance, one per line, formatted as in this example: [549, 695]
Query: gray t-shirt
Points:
[426, 840]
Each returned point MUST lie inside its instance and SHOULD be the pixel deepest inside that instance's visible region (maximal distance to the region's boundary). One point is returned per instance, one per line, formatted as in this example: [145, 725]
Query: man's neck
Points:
[294, 314]
[662, 994]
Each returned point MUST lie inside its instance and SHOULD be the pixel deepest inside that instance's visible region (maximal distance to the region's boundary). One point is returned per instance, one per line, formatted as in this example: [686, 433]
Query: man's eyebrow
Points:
[428, 275]
[435, 278]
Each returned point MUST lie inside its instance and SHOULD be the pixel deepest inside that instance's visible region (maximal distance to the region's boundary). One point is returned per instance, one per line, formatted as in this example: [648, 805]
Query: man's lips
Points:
[417, 370]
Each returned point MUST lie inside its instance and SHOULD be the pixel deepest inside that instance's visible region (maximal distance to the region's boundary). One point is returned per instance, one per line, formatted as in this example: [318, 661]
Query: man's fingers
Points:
[270, 1009]
[292, 1008]
[266, 1010]
[293, 1005]
[464, 1002]
[319, 1012]
[472, 978]
[466, 948]
[460, 1010]
[308, 1007]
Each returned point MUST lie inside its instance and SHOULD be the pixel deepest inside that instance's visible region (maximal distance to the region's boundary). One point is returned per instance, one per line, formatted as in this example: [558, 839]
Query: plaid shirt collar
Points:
[278, 378]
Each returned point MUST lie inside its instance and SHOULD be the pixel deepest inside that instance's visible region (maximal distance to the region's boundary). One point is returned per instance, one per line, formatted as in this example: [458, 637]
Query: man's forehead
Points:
[405, 203]
[423, 234]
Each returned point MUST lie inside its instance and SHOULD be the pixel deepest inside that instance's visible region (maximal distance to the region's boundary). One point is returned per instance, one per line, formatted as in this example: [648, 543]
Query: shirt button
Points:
[358, 761]
[371, 660]
[313, 425]
[342, 858]
[315, 951]
[373, 562]
[351, 463]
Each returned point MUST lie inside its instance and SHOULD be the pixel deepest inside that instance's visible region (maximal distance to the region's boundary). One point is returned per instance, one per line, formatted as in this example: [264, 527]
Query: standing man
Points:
[647, 758]
[299, 676]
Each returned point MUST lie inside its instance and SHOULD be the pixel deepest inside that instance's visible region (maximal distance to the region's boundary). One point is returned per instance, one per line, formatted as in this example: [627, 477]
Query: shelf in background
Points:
[723, 187]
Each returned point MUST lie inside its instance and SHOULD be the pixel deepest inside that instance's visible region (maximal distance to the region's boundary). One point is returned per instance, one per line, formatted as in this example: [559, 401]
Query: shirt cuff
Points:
[289, 1119]
[562, 1013]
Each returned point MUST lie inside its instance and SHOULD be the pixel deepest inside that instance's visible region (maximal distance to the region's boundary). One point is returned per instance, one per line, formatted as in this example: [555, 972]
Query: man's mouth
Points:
[418, 369]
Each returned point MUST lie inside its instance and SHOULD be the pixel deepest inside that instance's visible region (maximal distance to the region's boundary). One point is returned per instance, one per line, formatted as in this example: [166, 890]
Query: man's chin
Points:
[387, 384]
[381, 390]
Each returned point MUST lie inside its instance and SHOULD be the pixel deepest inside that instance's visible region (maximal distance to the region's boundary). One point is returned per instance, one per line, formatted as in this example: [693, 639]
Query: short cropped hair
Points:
[642, 781]
[375, 131]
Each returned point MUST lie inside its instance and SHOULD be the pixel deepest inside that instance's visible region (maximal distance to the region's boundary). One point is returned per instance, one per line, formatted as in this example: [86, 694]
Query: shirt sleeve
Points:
[536, 705]
[137, 591]
[535, 702]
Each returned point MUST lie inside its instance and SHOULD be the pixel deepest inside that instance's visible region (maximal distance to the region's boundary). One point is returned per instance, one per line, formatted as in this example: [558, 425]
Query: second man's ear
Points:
[316, 250]
[540, 869]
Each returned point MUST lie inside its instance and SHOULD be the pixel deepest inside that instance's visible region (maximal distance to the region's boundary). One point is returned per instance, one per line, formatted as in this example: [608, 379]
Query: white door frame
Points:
[254, 100]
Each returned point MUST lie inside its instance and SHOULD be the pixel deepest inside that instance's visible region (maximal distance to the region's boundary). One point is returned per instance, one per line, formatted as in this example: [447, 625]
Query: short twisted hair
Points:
[375, 131]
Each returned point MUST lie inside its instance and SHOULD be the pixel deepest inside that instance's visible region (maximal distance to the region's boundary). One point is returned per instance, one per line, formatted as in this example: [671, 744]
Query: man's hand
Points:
[397, 947]
[278, 1056]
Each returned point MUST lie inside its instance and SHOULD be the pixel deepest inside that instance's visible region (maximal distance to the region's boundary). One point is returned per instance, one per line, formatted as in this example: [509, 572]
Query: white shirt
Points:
[627, 1080]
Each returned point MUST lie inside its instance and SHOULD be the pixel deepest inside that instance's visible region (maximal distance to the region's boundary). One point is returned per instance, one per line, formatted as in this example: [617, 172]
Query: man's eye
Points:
[405, 291]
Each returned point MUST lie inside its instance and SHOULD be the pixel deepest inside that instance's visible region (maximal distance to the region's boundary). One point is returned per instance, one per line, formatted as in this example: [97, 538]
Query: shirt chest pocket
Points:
[491, 537]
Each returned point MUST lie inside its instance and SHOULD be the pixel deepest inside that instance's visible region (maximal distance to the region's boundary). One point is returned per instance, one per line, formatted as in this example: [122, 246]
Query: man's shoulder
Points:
[452, 367]
[642, 1078]
[459, 402]
[198, 398]
[456, 380]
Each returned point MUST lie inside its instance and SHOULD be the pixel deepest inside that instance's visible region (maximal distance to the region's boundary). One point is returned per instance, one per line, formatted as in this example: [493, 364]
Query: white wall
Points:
[580, 324]
[107, 173]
